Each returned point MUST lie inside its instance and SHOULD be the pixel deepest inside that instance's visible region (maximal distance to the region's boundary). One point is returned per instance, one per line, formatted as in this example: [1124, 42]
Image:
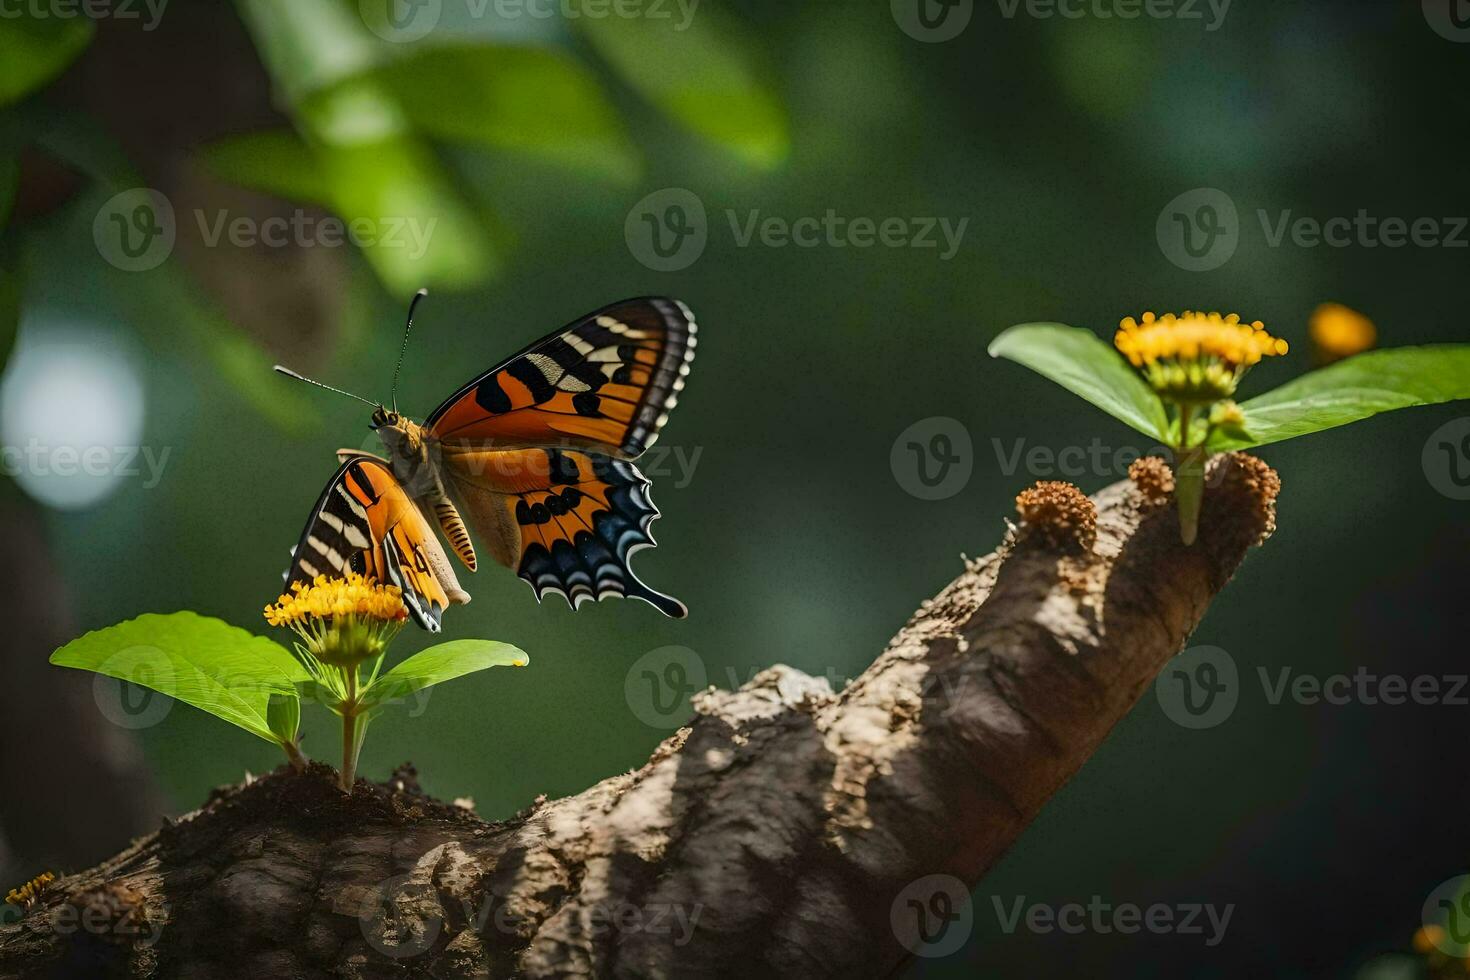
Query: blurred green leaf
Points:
[440, 663]
[704, 73]
[423, 233]
[1357, 388]
[308, 45]
[528, 99]
[1079, 361]
[401, 207]
[34, 50]
[275, 161]
[205, 662]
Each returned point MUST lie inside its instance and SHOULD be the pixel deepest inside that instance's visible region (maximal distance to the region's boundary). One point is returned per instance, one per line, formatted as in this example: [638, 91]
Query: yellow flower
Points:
[342, 621]
[1339, 331]
[1195, 358]
[26, 895]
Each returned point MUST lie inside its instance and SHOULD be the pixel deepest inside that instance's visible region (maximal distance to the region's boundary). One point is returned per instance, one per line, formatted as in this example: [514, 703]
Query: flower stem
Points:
[349, 731]
[1189, 478]
[293, 753]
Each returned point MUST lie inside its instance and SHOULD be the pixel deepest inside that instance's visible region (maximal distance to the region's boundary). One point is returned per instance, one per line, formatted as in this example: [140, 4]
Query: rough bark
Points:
[775, 835]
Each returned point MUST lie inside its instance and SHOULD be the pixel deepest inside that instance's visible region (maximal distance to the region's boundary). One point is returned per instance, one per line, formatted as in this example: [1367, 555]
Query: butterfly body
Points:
[534, 458]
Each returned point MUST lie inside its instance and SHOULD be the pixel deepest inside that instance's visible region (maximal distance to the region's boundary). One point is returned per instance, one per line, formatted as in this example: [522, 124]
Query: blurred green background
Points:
[529, 142]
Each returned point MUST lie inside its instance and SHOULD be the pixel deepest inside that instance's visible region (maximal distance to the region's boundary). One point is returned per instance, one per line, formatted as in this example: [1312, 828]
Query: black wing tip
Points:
[666, 604]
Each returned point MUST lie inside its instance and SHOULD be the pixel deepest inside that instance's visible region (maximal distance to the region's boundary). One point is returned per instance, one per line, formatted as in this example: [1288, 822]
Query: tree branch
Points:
[776, 833]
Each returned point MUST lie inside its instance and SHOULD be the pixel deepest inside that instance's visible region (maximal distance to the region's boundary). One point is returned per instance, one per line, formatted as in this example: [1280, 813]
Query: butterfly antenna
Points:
[301, 377]
[412, 305]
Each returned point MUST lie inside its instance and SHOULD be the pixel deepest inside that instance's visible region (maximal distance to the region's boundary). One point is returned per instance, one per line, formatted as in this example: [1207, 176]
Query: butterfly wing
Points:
[567, 521]
[364, 522]
[604, 383]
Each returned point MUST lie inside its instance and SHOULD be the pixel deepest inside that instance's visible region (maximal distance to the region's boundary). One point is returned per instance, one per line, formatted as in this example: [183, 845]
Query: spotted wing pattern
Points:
[605, 383]
[366, 523]
[567, 521]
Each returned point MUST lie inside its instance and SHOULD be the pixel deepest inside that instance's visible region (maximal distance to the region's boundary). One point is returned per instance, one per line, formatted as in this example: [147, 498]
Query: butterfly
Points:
[534, 456]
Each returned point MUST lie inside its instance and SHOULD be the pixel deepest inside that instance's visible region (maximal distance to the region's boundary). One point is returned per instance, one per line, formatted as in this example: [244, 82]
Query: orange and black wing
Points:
[567, 521]
[605, 383]
[366, 523]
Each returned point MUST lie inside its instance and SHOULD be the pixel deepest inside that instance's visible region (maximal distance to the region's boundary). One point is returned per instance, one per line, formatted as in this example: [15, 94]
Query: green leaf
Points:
[704, 73]
[440, 663]
[1357, 388]
[1083, 364]
[527, 99]
[283, 716]
[274, 161]
[34, 50]
[205, 662]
